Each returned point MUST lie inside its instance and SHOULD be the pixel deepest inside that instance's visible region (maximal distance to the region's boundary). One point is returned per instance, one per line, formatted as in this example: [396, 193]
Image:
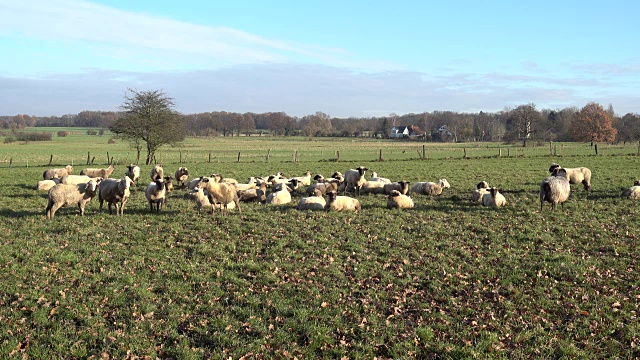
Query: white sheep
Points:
[46, 185]
[373, 187]
[51, 173]
[95, 173]
[555, 189]
[304, 180]
[221, 193]
[115, 191]
[157, 170]
[76, 179]
[202, 201]
[430, 188]
[632, 192]
[65, 194]
[375, 177]
[494, 198]
[156, 193]
[292, 184]
[354, 179]
[324, 187]
[280, 197]
[181, 176]
[398, 200]
[339, 203]
[316, 202]
[252, 183]
[481, 189]
[580, 175]
[401, 186]
[133, 172]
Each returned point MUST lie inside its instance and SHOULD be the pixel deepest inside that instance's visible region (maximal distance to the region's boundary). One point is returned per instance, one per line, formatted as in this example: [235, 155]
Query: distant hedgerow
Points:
[33, 136]
[62, 133]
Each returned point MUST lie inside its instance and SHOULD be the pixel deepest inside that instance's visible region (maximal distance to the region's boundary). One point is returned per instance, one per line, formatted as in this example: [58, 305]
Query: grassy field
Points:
[447, 279]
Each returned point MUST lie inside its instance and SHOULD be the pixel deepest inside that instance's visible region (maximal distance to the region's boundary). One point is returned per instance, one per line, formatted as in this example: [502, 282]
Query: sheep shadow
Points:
[21, 213]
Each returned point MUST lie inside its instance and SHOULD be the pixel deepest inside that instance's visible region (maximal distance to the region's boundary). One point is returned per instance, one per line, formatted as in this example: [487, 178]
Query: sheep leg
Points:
[110, 208]
[81, 207]
[587, 186]
[54, 209]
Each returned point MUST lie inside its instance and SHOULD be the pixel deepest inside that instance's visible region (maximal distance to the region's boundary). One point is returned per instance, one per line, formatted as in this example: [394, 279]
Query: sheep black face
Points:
[636, 183]
[559, 172]
[553, 167]
[482, 185]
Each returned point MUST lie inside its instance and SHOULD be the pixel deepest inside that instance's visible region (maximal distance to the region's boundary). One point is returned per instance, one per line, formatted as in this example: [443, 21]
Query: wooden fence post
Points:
[550, 144]
[508, 152]
[180, 151]
[423, 152]
[337, 155]
[268, 154]
[11, 160]
[209, 156]
[88, 157]
[295, 156]
[596, 148]
[238, 156]
[108, 158]
[499, 152]
[380, 156]
[50, 159]
[465, 152]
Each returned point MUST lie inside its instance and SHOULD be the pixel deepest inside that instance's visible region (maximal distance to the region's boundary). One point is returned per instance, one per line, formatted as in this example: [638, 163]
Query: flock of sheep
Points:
[215, 192]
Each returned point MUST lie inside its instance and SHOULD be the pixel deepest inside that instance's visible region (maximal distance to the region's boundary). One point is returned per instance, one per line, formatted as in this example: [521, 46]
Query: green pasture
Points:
[447, 279]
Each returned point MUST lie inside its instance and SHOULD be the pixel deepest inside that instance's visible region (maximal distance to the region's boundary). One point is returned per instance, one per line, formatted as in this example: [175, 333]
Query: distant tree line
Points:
[523, 123]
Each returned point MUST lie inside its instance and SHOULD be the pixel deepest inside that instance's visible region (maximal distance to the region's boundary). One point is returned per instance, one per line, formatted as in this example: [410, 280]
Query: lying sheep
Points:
[632, 192]
[339, 203]
[398, 200]
[354, 179]
[156, 193]
[76, 179]
[481, 189]
[95, 173]
[304, 180]
[156, 171]
[375, 177]
[494, 198]
[555, 189]
[221, 193]
[46, 185]
[315, 202]
[400, 186]
[430, 188]
[51, 173]
[133, 172]
[292, 184]
[580, 175]
[252, 183]
[373, 187]
[181, 176]
[66, 194]
[258, 195]
[324, 187]
[202, 201]
[115, 191]
[191, 185]
[280, 197]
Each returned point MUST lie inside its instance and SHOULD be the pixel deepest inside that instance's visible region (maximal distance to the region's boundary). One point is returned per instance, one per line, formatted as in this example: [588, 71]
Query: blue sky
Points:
[344, 58]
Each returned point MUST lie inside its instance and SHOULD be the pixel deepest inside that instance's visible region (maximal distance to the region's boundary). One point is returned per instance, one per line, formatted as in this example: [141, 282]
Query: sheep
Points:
[398, 200]
[304, 180]
[193, 183]
[575, 175]
[375, 177]
[228, 180]
[292, 184]
[203, 201]
[373, 187]
[221, 193]
[400, 186]
[181, 176]
[280, 197]
[252, 183]
[66, 194]
[133, 172]
[430, 188]
[555, 189]
[354, 178]
[494, 198]
[339, 203]
[50, 174]
[324, 187]
[156, 171]
[115, 191]
[632, 192]
[315, 202]
[481, 189]
[76, 179]
[94, 173]
[168, 183]
[156, 193]
[46, 185]
[258, 194]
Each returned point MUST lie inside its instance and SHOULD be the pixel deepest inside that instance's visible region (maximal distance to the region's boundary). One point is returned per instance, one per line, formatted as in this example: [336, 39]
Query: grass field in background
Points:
[447, 279]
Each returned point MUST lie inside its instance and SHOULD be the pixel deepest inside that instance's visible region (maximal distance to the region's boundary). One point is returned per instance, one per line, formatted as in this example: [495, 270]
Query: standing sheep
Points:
[133, 172]
[203, 201]
[156, 171]
[580, 175]
[354, 179]
[95, 173]
[398, 200]
[115, 191]
[66, 194]
[430, 188]
[555, 189]
[221, 193]
[182, 174]
[51, 173]
[156, 193]
[494, 198]
[632, 192]
[315, 202]
[339, 203]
